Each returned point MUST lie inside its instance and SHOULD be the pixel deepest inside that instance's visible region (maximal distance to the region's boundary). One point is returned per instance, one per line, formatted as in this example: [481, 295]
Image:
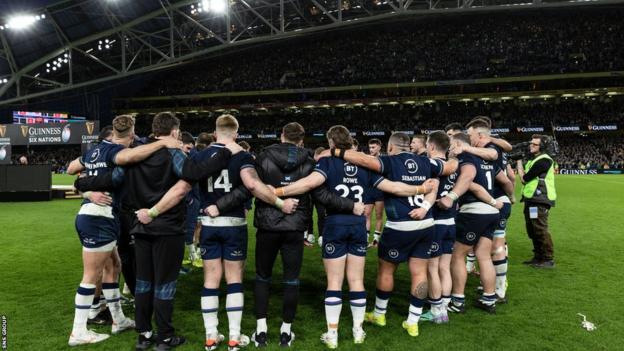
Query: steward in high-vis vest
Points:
[539, 195]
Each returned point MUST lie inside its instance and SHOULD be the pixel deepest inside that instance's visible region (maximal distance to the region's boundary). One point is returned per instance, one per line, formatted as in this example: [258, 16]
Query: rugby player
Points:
[376, 201]
[418, 145]
[475, 225]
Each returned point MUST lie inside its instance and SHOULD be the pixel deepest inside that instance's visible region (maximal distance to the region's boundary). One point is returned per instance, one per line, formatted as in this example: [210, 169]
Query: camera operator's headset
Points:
[548, 145]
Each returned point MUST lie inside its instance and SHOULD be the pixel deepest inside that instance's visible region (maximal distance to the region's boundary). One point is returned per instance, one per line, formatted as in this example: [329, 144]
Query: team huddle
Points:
[446, 196]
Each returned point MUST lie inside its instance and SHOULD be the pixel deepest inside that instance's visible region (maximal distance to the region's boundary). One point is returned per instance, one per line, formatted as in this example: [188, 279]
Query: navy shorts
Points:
[471, 227]
[344, 234]
[399, 246]
[96, 231]
[444, 240]
[228, 243]
[192, 212]
[505, 213]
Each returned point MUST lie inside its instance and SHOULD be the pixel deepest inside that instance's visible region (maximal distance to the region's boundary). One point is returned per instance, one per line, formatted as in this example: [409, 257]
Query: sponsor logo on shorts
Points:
[434, 247]
[361, 249]
[89, 241]
[237, 253]
[394, 253]
[330, 248]
[471, 236]
[202, 251]
[503, 222]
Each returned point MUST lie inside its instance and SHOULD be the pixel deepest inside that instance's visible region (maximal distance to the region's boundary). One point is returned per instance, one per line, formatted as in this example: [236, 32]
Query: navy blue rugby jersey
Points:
[485, 175]
[446, 184]
[347, 180]
[213, 188]
[99, 160]
[411, 169]
[500, 163]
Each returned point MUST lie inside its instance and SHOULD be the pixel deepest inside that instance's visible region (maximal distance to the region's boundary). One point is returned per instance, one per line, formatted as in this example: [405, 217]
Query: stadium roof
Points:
[66, 44]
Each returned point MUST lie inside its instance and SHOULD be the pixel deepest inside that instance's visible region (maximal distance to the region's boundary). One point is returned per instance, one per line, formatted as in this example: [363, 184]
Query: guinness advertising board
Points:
[50, 133]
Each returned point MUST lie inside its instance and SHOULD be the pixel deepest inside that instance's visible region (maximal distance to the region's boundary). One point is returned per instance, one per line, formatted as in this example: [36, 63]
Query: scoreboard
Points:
[30, 117]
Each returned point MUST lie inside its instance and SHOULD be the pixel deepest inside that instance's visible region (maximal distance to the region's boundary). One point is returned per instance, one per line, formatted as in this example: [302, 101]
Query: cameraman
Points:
[539, 194]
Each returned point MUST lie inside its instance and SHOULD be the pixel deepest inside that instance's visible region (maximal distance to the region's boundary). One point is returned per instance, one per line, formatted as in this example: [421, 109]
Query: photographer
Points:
[539, 194]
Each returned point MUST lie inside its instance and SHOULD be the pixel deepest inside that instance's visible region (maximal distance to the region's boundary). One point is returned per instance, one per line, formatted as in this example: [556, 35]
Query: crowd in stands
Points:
[58, 156]
[465, 46]
[591, 153]
[569, 112]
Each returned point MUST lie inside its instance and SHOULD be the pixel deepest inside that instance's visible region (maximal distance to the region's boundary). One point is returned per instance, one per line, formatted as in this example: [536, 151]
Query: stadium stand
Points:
[419, 49]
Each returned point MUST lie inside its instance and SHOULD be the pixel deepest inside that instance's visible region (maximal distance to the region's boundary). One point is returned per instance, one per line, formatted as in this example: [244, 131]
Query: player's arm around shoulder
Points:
[359, 159]
[76, 166]
[137, 154]
[171, 198]
[302, 186]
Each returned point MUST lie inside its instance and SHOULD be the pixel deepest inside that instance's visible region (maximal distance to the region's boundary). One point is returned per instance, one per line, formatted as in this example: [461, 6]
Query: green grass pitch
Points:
[41, 269]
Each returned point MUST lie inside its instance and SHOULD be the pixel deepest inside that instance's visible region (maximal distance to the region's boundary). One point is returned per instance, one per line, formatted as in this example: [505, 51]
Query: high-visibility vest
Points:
[540, 189]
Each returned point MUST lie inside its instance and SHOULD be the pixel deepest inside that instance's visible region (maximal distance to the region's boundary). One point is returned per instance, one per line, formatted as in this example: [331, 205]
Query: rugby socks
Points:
[234, 307]
[209, 308]
[470, 264]
[501, 277]
[458, 300]
[436, 306]
[488, 299]
[381, 302]
[285, 328]
[357, 300]
[333, 306]
[84, 298]
[261, 326]
[446, 299]
[415, 309]
[95, 307]
[113, 300]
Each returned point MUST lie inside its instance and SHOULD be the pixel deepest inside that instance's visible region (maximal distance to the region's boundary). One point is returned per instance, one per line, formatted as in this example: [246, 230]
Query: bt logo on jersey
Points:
[411, 165]
[350, 170]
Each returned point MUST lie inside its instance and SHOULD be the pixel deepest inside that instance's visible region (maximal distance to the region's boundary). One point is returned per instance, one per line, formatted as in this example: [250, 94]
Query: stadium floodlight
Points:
[19, 22]
[218, 6]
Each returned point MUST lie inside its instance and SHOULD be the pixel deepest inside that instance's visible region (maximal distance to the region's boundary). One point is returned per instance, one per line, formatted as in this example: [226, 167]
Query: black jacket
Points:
[279, 165]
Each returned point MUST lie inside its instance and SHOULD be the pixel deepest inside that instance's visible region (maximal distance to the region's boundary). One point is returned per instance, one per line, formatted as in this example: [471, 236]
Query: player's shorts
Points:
[505, 213]
[444, 237]
[471, 227]
[97, 234]
[373, 195]
[398, 246]
[218, 239]
[192, 212]
[344, 234]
